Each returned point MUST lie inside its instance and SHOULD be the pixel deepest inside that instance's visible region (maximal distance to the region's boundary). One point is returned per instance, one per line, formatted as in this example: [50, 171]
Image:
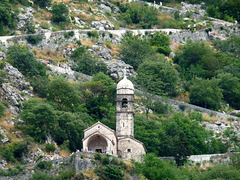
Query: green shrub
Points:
[14, 151]
[98, 156]
[67, 174]
[50, 148]
[34, 39]
[45, 165]
[182, 107]
[41, 176]
[105, 161]
[69, 34]
[160, 108]
[196, 116]
[59, 13]
[110, 172]
[221, 172]
[24, 60]
[92, 34]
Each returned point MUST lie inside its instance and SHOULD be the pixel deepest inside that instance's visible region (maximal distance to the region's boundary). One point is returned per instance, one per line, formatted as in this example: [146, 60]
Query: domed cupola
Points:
[125, 86]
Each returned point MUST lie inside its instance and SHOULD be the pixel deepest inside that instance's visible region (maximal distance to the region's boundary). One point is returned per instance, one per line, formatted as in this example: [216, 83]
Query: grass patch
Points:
[53, 56]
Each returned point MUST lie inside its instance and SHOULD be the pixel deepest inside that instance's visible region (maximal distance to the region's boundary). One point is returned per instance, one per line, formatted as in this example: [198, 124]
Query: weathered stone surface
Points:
[2, 55]
[3, 163]
[117, 67]
[107, 4]
[66, 71]
[15, 91]
[100, 50]
[102, 25]
[32, 156]
[82, 164]
[105, 8]
[235, 112]
[172, 54]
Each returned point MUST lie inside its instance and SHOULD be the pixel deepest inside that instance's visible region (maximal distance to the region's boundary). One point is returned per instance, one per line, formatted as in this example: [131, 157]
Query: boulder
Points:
[102, 25]
[2, 55]
[172, 54]
[3, 163]
[235, 113]
[106, 8]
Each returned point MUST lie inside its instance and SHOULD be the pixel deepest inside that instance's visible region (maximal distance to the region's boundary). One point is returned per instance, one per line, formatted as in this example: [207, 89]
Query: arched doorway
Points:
[97, 143]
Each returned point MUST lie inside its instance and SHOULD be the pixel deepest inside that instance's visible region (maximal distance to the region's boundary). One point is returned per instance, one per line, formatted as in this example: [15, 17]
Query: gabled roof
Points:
[99, 123]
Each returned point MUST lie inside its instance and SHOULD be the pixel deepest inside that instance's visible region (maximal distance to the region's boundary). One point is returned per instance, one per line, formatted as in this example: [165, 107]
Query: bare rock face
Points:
[100, 50]
[102, 25]
[3, 136]
[116, 69]
[15, 89]
[25, 18]
[3, 163]
[195, 9]
[2, 55]
[235, 113]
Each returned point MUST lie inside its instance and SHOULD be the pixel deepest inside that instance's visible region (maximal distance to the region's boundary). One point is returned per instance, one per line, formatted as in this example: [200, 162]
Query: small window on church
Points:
[124, 103]
[123, 124]
[129, 150]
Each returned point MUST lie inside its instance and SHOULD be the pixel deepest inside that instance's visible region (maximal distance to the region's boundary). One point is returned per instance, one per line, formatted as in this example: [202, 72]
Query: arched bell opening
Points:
[97, 143]
[124, 103]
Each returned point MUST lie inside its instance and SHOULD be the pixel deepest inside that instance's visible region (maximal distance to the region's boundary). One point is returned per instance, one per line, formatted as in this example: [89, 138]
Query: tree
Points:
[231, 46]
[7, 18]
[206, 93]
[108, 83]
[42, 3]
[155, 168]
[160, 42]
[86, 63]
[63, 93]
[136, 52]
[135, 13]
[110, 172]
[24, 61]
[59, 13]
[176, 136]
[159, 77]
[70, 128]
[197, 59]
[39, 117]
[231, 89]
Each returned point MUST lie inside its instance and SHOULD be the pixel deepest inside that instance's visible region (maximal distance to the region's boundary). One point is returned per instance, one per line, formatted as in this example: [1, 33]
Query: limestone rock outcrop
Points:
[102, 25]
[15, 89]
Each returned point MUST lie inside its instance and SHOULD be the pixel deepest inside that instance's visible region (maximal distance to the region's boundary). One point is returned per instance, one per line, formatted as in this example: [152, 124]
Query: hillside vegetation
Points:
[48, 116]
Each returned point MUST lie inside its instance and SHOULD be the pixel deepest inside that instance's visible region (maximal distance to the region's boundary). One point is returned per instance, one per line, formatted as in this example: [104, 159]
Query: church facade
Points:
[100, 138]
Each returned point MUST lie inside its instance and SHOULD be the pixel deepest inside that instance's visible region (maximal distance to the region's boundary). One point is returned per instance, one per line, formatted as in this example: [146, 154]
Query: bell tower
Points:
[124, 108]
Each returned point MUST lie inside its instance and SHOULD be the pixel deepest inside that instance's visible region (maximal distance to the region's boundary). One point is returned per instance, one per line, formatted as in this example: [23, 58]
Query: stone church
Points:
[100, 138]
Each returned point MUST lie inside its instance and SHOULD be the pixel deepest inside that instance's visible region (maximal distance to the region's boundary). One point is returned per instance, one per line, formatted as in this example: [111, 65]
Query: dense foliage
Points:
[59, 13]
[155, 168]
[140, 14]
[159, 77]
[87, 63]
[177, 136]
[7, 17]
[211, 77]
[21, 58]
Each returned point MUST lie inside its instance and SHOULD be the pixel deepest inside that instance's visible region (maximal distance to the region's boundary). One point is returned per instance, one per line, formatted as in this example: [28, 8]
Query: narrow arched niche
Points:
[124, 103]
